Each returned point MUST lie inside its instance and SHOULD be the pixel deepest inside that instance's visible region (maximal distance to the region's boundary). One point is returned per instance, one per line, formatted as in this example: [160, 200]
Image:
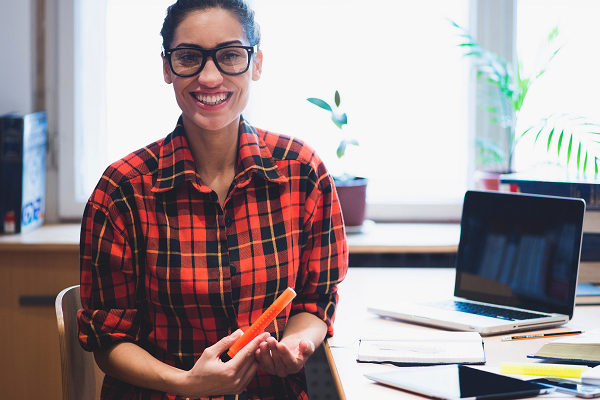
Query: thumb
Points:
[225, 343]
[306, 347]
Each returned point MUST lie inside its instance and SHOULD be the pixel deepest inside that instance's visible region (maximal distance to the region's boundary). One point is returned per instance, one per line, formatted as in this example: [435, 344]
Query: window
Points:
[571, 83]
[401, 78]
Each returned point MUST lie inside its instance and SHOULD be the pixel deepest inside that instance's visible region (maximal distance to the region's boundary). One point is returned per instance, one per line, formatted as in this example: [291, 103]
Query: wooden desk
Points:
[37, 265]
[365, 285]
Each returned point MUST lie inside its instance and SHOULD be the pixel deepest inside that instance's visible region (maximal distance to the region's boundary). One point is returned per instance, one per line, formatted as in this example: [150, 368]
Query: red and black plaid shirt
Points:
[164, 265]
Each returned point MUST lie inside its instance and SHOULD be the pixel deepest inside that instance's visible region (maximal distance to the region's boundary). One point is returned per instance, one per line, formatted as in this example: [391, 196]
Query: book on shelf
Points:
[591, 221]
[584, 348]
[587, 294]
[590, 246]
[420, 347]
[589, 272]
[23, 140]
[553, 183]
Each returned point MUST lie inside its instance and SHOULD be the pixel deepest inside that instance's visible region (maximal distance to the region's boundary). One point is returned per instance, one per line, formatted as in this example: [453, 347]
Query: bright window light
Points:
[401, 78]
[571, 83]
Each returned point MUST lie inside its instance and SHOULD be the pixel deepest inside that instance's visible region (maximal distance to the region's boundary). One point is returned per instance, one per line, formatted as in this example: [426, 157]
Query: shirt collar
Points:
[176, 164]
[254, 157]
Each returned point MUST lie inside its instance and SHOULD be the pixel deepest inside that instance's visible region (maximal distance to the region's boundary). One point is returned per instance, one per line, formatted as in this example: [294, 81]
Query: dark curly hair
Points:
[181, 8]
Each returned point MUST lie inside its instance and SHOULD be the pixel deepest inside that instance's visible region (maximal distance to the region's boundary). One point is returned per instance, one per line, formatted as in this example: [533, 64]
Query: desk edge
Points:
[334, 372]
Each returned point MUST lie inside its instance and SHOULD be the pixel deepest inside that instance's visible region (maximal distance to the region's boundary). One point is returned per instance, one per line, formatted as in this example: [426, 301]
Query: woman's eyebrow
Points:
[231, 42]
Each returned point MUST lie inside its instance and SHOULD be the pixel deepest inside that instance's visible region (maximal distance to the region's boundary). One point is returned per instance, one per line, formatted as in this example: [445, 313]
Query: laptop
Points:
[516, 266]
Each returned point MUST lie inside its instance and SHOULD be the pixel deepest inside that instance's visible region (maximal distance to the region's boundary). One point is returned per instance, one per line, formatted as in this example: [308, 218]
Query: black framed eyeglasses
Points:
[189, 61]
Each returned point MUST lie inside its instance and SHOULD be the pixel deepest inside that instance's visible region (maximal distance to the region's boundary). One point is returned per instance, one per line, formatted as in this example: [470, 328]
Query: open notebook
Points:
[516, 266]
[422, 347]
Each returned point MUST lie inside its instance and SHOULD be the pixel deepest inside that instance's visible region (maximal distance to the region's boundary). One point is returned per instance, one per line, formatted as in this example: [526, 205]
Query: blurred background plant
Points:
[504, 95]
[340, 119]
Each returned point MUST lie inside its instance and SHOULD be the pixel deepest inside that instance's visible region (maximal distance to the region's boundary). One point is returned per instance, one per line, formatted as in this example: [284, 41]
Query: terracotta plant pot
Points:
[487, 180]
[353, 199]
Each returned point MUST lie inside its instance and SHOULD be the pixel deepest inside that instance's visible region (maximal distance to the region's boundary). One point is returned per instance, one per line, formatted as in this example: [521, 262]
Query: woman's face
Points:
[211, 100]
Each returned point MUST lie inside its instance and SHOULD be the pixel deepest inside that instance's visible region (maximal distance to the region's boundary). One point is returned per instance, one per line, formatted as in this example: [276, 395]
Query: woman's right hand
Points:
[211, 377]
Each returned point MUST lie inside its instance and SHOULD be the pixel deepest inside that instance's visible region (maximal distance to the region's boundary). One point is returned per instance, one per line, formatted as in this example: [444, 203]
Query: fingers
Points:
[222, 345]
[285, 362]
[263, 357]
[247, 353]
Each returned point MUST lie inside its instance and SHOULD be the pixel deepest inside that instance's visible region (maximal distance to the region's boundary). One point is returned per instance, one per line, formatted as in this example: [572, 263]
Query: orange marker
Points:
[260, 324]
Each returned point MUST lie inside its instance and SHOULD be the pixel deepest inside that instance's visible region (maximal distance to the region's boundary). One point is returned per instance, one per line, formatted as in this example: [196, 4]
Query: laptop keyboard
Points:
[486, 311]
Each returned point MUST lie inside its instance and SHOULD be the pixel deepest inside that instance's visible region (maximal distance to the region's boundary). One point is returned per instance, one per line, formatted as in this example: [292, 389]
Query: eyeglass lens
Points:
[232, 60]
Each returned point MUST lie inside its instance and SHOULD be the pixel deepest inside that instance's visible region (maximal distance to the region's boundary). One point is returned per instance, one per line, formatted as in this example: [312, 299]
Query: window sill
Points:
[405, 238]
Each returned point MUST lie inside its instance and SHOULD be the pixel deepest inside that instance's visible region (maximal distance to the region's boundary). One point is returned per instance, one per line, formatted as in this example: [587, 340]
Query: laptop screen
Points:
[520, 250]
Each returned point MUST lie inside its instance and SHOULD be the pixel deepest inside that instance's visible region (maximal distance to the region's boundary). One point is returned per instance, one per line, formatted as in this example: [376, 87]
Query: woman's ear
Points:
[166, 70]
[257, 65]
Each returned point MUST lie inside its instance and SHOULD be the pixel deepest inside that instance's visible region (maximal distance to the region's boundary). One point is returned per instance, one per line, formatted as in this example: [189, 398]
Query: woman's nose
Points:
[210, 75]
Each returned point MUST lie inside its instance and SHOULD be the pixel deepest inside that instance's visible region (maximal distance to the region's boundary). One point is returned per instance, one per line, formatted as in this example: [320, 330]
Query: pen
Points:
[540, 335]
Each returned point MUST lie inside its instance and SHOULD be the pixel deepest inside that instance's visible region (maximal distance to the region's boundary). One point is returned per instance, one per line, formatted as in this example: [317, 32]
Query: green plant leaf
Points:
[560, 139]
[339, 119]
[550, 139]
[569, 149]
[337, 98]
[341, 150]
[320, 103]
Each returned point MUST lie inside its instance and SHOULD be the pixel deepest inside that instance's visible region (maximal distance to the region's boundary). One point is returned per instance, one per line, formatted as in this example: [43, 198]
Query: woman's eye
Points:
[188, 57]
[230, 57]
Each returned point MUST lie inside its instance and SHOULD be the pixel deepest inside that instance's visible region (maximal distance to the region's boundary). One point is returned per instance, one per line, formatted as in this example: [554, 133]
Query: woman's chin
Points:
[216, 123]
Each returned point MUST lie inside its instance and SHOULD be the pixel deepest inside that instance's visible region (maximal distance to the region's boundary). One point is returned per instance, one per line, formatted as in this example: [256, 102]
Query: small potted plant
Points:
[509, 87]
[351, 189]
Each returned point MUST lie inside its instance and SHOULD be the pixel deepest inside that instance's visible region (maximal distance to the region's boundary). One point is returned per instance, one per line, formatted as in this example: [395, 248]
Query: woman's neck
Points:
[215, 155]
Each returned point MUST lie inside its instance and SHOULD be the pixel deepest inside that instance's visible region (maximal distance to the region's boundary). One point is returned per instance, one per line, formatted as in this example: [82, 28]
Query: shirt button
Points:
[226, 322]
[228, 221]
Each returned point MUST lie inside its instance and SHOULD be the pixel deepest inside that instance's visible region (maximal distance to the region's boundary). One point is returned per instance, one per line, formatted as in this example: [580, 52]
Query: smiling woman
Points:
[186, 241]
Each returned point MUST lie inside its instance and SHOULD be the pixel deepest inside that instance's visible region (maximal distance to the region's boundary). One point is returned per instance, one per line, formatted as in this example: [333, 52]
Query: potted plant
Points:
[351, 189]
[509, 88]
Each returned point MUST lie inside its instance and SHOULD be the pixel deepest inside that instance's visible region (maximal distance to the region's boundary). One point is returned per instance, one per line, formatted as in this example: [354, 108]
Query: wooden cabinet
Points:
[34, 268]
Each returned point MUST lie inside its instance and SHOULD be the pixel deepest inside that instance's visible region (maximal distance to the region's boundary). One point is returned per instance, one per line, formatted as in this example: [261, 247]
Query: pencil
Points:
[540, 335]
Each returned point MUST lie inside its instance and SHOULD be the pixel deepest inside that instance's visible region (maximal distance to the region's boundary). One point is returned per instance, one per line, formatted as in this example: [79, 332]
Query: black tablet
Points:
[454, 382]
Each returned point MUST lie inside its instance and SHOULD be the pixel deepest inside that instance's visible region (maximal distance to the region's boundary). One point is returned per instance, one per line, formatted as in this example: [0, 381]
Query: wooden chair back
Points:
[79, 370]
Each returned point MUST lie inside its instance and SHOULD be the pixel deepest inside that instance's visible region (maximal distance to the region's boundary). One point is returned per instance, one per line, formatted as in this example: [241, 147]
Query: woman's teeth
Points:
[211, 100]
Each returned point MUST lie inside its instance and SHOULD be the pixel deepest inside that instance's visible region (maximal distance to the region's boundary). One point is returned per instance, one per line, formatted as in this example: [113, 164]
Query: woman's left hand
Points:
[285, 357]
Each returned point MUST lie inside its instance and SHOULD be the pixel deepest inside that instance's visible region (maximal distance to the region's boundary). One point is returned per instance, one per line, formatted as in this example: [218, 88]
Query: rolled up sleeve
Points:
[325, 255]
[108, 283]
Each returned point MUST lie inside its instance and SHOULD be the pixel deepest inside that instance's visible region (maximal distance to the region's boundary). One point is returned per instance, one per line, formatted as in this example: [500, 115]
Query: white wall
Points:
[18, 76]
[17, 48]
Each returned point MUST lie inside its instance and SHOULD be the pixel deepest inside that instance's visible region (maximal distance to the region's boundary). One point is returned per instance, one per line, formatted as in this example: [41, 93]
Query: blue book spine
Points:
[23, 148]
[11, 138]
